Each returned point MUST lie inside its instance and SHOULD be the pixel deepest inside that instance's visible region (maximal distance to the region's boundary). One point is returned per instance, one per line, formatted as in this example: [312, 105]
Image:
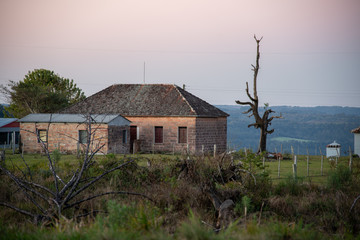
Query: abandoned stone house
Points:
[69, 133]
[163, 117]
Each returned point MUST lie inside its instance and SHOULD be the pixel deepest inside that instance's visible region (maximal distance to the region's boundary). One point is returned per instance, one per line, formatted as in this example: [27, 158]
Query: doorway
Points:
[133, 137]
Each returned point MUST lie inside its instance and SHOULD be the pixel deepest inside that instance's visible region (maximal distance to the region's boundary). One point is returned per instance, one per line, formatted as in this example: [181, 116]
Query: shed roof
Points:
[333, 145]
[146, 100]
[113, 119]
[356, 130]
[6, 121]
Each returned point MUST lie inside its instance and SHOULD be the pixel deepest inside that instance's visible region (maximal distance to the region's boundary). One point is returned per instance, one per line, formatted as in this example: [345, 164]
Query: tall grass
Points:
[290, 209]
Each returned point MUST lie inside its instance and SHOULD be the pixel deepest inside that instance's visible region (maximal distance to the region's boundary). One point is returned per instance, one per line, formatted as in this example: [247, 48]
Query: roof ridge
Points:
[187, 102]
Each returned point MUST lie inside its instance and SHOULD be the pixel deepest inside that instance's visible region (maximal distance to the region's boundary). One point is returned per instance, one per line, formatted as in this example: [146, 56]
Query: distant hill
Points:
[302, 127]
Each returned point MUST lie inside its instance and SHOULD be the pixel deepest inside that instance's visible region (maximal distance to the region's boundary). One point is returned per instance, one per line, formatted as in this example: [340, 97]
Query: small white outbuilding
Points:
[333, 150]
[356, 133]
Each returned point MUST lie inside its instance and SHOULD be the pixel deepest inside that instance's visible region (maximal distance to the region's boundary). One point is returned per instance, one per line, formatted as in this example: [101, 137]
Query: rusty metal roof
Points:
[145, 100]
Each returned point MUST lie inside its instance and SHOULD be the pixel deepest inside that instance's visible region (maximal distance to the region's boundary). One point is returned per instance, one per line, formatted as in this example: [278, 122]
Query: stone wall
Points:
[61, 136]
[210, 132]
[116, 142]
[146, 130]
[200, 132]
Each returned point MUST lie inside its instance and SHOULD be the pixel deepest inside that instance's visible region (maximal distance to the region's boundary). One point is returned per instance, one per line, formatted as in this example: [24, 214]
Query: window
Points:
[182, 135]
[83, 135]
[42, 135]
[124, 136]
[158, 134]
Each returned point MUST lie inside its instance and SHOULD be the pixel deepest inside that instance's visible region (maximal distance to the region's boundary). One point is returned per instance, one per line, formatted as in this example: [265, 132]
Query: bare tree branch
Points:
[97, 179]
[18, 209]
[260, 122]
[353, 204]
[47, 200]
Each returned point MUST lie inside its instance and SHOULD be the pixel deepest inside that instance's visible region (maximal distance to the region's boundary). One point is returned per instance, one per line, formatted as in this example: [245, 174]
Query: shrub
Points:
[290, 185]
[56, 155]
[339, 178]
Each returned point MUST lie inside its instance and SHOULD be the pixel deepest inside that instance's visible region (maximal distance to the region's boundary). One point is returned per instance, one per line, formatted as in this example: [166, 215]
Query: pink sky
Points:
[311, 49]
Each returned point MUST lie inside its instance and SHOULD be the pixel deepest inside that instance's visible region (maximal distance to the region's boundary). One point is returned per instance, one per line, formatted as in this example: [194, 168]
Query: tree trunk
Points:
[262, 143]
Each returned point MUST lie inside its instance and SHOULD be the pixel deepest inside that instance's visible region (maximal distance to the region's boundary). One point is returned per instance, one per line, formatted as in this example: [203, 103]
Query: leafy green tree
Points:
[41, 91]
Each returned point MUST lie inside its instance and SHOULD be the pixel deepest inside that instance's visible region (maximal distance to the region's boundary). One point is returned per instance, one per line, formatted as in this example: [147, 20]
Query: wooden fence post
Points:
[295, 167]
[307, 162]
[350, 161]
[2, 156]
[322, 161]
[13, 142]
[264, 164]
[279, 158]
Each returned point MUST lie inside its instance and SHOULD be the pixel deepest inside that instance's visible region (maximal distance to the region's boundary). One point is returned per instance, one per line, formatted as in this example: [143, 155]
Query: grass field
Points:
[315, 175]
[270, 208]
[271, 165]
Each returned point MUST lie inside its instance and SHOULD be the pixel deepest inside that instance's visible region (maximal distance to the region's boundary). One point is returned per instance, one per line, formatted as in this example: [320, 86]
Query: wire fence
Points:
[308, 168]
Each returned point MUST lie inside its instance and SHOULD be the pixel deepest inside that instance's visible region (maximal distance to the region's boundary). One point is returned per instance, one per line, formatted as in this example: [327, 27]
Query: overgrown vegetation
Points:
[185, 191]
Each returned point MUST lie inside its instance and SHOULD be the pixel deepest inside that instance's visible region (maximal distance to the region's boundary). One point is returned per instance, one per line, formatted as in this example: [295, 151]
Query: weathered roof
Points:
[145, 100]
[333, 145]
[356, 130]
[6, 121]
[75, 118]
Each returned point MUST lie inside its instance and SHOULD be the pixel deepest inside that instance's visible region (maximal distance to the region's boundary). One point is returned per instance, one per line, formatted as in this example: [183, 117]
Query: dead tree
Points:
[65, 192]
[263, 122]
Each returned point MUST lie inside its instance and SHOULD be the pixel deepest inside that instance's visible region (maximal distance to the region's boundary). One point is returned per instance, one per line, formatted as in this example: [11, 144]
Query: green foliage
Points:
[287, 208]
[339, 178]
[241, 205]
[193, 229]
[246, 202]
[290, 185]
[254, 162]
[56, 155]
[136, 218]
[41, 91]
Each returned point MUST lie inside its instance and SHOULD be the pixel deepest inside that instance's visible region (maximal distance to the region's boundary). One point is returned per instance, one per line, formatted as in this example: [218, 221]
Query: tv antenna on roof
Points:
[144, 73]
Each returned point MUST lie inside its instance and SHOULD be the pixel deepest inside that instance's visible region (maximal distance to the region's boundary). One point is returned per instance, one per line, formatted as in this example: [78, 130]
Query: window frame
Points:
[156, 137]
[40, 136]
[179, 134]
[124, 136]
[82, 138]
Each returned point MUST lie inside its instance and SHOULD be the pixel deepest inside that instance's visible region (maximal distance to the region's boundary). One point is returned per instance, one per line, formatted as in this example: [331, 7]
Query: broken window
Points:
[42, 135]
